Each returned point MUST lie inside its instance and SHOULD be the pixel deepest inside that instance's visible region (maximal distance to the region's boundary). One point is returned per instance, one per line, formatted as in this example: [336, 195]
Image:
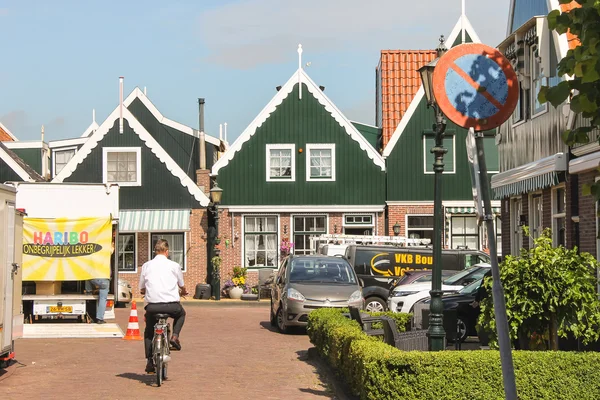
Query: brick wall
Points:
[570, 186]
[587, 215]
[142, 256]
[525, 211]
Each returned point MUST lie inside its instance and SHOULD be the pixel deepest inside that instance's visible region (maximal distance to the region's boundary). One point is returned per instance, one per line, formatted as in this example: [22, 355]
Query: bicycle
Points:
[161, 347]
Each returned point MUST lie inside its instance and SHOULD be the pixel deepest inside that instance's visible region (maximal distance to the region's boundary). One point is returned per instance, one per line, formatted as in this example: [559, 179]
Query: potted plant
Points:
[238, 278]
[286, 247]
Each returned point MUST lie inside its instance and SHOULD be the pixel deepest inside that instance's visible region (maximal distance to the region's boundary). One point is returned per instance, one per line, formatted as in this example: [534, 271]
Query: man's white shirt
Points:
[161, 278]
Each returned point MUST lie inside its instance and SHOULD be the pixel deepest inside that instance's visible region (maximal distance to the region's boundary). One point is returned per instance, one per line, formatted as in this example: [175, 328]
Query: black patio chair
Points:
[366, 322]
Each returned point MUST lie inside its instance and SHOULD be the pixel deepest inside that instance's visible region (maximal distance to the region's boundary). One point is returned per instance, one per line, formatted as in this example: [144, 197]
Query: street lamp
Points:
[396, 228]
[215, 195]
[436, 331]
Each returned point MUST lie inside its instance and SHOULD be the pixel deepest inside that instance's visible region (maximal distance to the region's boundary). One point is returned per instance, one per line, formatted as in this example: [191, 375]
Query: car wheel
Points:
[281, 326]
[273, 317]
[461, 330]
[375, 304]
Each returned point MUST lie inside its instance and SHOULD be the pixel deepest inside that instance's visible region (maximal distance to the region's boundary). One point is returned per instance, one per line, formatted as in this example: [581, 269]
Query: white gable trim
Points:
[462, 21]
[67, 142]
[5, 129]
[302, 77]
[145, 136]
[137, 93]
[90, 129]
[15, 166]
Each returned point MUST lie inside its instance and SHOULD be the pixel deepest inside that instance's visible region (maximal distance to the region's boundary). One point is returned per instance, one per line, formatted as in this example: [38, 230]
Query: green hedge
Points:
[375, 370]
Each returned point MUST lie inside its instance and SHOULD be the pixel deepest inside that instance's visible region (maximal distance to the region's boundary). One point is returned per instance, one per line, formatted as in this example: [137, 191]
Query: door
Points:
[516, 237]
[9, 229]
[535, 214]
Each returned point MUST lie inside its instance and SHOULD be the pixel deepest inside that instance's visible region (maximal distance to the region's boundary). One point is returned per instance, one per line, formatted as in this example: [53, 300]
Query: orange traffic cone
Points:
[133, 328]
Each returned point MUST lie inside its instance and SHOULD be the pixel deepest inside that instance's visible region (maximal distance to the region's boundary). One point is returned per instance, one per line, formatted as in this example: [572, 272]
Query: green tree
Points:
[550, 292]
[582, 66]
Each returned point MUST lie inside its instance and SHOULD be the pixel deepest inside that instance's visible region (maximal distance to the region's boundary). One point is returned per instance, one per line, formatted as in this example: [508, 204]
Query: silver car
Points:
[306, 283]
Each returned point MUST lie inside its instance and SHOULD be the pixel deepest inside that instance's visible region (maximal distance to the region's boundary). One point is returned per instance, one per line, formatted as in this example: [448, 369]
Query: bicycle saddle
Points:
[161, 316]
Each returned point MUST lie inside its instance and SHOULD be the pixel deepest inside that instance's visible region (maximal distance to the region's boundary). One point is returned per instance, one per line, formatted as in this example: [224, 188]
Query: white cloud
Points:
[246, 34]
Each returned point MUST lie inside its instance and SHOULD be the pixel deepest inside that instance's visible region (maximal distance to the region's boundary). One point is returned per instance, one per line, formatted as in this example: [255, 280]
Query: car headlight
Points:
[403, 293]
[355, 297]
[293, 294]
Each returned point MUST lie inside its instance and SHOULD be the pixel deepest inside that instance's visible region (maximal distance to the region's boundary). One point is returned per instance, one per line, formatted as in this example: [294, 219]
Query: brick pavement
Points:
[228, 353]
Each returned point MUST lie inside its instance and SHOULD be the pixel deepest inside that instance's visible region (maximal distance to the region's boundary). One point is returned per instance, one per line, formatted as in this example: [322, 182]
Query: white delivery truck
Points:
[63, 247]
[11, 315]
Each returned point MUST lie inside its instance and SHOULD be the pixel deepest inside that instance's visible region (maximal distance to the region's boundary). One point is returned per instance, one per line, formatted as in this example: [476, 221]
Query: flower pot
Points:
[236, 293]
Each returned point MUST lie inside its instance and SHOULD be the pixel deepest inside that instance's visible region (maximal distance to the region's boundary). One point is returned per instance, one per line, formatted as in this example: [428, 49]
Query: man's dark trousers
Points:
[174, 310]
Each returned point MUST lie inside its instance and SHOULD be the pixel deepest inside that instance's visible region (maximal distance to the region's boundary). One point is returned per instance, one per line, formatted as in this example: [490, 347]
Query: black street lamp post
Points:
[436, 331]
[215, 196]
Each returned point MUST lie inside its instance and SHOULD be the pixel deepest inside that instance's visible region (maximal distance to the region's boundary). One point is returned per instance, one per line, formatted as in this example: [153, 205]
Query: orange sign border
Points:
[439, 87]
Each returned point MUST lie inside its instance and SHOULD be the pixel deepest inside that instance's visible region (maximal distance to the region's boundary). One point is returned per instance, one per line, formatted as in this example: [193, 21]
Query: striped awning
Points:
[526, 178]
[467, 210]
[154, 220]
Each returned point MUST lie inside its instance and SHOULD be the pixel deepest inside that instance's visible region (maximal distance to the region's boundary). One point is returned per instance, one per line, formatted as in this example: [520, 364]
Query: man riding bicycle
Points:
[161, 282]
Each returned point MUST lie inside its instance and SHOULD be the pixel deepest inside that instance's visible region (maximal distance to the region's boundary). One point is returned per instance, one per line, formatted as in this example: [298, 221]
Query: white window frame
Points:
[136, 252]
[407, 228]
[543, 81]
[530, 215]
[186, 248]
[281, 146]
[359, 225]
[293, 226]
[426, 150]
[478, 234]
[59, 150]
[556, 215]
[243, 245]
[138, 160]
[320, 146]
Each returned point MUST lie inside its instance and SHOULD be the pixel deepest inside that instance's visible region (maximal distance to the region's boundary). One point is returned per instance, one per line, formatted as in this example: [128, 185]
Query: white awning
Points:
[585, 163]
[154, 220]
[529, 177]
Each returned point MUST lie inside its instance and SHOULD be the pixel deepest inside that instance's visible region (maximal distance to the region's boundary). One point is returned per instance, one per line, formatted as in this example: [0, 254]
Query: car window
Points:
[471, 288]
[472, 259]
[454, 279]
[423, 278]
[321, 271]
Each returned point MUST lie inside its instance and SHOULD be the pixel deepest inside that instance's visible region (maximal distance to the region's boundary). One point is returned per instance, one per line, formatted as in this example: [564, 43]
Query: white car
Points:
[402, 298]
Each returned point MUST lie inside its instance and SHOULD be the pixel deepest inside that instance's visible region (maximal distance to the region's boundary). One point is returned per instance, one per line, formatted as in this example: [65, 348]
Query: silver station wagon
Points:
[309, 282]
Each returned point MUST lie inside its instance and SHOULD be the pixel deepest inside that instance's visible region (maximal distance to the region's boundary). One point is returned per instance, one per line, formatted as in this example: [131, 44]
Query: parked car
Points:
[309, 282]
[462, 303]
[380, 266]
[420, 276]
[125, 294]
[402, 298]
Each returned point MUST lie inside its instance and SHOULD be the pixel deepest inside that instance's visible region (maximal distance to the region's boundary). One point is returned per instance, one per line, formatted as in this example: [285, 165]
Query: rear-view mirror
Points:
[361, 283]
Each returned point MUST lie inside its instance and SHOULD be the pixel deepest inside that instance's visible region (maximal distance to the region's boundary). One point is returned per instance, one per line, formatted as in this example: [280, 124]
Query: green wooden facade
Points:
[359, 181]
[7, 174]
[159, 189]
[33, 157]
[410, 158]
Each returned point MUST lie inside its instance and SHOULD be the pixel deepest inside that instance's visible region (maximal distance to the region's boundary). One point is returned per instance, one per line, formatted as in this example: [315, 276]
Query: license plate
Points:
[64, 309]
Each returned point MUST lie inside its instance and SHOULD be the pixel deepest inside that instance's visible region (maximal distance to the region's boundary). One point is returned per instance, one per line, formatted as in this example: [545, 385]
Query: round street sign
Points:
[475, 86]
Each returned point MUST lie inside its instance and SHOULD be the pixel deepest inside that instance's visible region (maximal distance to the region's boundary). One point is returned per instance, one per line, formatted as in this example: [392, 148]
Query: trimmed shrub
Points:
[375, 370]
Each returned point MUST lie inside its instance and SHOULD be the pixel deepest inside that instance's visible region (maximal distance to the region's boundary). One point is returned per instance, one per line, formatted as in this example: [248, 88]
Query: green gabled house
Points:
[409, 162]
[301, 168]
[14, 169]
[164, 184]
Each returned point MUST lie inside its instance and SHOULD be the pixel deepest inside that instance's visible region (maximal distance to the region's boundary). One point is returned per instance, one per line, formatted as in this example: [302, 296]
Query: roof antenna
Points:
[299, 69]
[93, 115]
[121, 104]
[462, 22]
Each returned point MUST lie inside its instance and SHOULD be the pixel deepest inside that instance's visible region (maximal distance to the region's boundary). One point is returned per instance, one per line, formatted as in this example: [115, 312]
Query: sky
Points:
[63, 58]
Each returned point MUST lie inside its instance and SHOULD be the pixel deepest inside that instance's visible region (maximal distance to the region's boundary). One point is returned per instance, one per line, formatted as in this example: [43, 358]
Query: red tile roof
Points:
[5, 137]
[399, 84]
[572, 39]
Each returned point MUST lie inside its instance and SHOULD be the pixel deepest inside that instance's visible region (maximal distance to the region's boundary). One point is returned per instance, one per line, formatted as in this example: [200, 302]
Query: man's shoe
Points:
[175, 344]
[100, 321]
[150, 369]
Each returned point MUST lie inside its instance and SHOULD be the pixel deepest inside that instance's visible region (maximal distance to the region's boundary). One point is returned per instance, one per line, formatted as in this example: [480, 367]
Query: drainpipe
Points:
[202, 146]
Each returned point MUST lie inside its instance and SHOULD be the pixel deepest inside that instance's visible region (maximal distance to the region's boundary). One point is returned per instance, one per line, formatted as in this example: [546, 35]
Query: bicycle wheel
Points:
[158, 360]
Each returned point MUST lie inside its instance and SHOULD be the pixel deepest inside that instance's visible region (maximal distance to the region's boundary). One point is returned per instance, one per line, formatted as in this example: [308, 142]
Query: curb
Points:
[221, 303]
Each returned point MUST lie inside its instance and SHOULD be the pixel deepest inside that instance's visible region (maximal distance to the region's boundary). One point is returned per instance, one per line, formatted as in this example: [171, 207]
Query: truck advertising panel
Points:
[64, 249]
